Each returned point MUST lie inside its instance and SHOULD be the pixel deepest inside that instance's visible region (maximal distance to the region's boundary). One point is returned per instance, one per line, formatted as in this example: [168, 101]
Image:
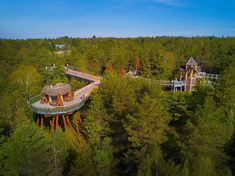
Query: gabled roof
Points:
[191, 61]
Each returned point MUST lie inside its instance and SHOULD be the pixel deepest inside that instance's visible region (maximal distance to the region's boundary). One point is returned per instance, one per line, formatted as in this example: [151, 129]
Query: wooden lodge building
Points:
[189, 77]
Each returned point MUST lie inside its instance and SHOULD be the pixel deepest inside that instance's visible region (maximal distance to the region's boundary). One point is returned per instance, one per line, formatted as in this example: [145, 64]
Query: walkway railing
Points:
[174, 83]
[87, 88]
[53, 109]
[209, 76]
[212, 76]
[82, 75]
[34, 99]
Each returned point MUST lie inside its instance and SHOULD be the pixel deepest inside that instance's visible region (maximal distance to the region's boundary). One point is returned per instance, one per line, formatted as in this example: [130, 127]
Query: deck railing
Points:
[172, 83]
[34, 99]
[53, 110]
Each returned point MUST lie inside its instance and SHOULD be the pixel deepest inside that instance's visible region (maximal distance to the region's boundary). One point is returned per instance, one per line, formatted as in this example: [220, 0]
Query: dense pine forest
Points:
[128, 127]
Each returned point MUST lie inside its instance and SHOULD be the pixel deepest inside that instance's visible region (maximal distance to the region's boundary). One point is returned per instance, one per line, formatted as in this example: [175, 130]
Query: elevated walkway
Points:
[174, 84]
[81, 75]
[211, 77]
[80, 96]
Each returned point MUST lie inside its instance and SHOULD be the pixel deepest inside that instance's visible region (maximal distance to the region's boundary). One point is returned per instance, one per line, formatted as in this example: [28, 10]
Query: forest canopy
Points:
[128, 126]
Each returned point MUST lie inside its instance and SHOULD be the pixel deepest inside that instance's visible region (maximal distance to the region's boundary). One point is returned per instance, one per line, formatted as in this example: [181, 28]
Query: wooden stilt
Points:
[42, 124]
[77, 127]
[73, 131]
[76, 123]
[64, 121]
[57, 122]
[37, 121]
[52, 124]
[190, 83]
[51, 129]
[80, 120]
[68, 121]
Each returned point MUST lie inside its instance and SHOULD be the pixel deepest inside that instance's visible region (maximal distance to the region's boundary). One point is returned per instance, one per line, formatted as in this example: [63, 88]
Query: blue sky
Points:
[116, 18]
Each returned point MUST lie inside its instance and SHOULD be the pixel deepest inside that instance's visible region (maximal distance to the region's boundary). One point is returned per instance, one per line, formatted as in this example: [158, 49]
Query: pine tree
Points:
[81, 63]
[82, 164]
[103, 157]
[146, 130]
[22, 117]
[94, 125]
[145, 168]
[149, 124]
[226, 92]
[118, 93]
[27, 152]
[211, 133]
[95, 130]
[203, 166]
[59, 152]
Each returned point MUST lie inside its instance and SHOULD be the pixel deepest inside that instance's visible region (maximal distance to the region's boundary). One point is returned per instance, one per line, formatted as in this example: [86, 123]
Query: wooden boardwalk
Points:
[81, 75]
[80, 96]
[85, 91]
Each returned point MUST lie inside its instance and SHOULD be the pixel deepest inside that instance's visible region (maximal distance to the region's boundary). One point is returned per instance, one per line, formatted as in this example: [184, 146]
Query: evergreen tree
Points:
[211, 133]
[118, 93]
[95, 129]
[149, 124]
[82, 164]
[27, 152]
[146, 130]
[59, 152]
[82, 66]
[58, 75]
[203, 166]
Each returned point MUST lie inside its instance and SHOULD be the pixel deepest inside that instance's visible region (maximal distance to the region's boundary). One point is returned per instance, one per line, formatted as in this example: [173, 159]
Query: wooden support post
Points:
[37, 121]
[65, 124]
[186, 80]
[42, 122]
[191, 76]
[76, 123]
[68, 121]
[57, 122]
[77, 127]
[52, 124]
[80, 120]
[53, 121]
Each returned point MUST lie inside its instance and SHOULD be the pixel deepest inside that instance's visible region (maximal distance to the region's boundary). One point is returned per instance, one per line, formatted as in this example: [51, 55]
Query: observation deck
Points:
[79, 98]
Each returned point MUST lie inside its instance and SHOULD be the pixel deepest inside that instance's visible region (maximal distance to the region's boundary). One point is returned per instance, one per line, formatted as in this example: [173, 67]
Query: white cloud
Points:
[165, 2]
[169, 2]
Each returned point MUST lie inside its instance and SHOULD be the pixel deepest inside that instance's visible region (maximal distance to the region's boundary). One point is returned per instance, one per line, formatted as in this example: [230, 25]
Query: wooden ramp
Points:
[85, 91]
